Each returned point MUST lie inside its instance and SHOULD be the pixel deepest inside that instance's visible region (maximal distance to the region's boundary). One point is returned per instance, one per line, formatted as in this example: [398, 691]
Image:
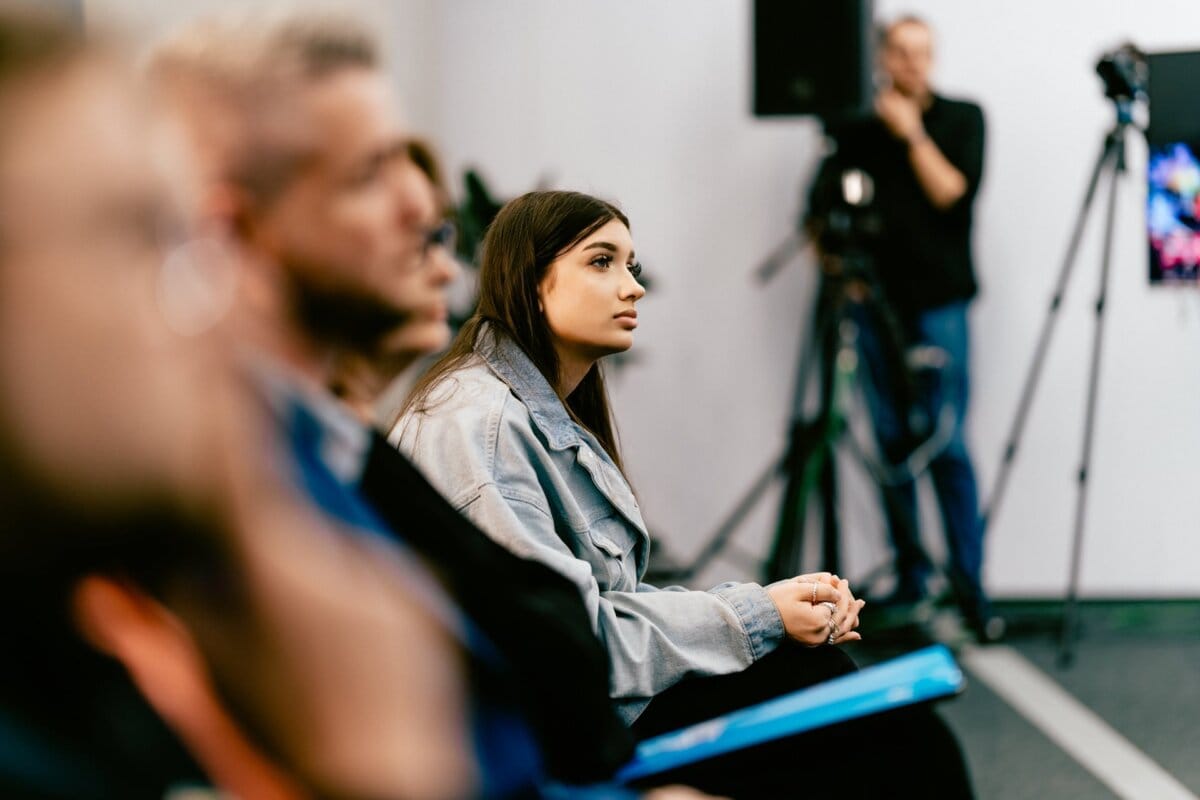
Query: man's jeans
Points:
[953, 477]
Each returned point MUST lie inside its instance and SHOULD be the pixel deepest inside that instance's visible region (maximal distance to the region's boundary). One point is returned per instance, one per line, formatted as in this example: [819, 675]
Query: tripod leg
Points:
[722, 536]
[830, 533]
[778, 258]
[1109, 153]
[793, 505]
[803, 460]
[1070, 626]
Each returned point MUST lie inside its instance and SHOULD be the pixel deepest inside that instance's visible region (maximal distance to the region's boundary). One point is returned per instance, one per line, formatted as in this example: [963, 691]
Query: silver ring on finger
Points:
[814, 593]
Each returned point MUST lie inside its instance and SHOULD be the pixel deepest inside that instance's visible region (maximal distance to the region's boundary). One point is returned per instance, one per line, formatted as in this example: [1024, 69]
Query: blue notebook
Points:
[927, 674]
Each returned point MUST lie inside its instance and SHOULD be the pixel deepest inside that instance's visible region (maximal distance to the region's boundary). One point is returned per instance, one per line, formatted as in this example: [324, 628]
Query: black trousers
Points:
[874, 757]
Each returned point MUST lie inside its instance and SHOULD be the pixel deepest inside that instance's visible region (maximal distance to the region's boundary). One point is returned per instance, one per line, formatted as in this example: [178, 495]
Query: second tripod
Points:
[1111, 163]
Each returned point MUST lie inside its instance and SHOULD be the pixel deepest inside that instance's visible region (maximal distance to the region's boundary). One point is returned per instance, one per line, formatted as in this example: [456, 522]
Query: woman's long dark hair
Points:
[527, 235]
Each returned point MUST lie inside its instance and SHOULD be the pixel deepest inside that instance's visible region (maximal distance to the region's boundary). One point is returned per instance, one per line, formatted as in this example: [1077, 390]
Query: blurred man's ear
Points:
[250, 221]
[223, 205]
[232, 215]
[147, 639]
[232, 209]
[164, 663]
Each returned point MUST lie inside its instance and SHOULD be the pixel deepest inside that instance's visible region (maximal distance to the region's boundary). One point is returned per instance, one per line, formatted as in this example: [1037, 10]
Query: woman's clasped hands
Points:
[817, 608]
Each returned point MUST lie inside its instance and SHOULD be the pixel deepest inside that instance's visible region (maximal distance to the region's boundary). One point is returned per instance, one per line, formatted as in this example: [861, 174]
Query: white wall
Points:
[402, 24]
[648, 103]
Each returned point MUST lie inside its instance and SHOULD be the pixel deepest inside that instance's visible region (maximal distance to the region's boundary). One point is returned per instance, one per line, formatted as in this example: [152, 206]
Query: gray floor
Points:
[1137, 666]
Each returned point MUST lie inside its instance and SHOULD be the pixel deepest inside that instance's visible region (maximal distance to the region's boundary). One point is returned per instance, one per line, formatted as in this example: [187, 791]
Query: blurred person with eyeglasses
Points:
[362, 377]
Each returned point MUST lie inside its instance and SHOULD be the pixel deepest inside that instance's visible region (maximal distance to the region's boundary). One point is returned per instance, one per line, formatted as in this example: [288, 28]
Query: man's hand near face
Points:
[901, 115]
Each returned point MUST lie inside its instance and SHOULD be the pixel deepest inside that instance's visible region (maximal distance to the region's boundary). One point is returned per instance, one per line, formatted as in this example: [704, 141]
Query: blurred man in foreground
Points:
[174, 613]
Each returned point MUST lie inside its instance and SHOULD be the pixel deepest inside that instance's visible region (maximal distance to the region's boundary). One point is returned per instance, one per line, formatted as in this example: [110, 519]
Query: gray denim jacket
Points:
[498, 442]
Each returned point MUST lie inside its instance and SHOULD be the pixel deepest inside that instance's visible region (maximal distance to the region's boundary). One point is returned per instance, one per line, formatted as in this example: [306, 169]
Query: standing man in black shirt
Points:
[925, 153]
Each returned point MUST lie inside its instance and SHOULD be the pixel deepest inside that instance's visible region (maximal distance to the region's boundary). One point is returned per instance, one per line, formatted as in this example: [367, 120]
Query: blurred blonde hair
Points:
[238, 75]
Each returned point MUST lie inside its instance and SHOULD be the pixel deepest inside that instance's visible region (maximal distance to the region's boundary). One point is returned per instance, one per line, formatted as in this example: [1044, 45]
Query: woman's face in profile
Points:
[589, 293]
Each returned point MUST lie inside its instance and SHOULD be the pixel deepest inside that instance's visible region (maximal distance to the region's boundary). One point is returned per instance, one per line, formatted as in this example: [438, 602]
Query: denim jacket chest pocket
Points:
[615, 539]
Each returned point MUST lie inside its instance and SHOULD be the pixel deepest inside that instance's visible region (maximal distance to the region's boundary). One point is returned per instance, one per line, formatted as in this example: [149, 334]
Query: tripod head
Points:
[839, 218]
[842, 218]
[1126, 74]
[844, 223]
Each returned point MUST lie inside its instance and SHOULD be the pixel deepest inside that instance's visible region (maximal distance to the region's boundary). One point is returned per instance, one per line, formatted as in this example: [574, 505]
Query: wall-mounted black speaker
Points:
[813, 57]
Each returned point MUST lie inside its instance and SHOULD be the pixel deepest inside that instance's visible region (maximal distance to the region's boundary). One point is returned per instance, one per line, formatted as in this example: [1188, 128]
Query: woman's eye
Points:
[635, 269]
[603, 262]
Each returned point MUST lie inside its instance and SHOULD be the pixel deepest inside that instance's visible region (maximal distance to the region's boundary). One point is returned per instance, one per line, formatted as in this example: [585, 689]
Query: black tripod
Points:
[805, 462]
[845, 227]
[809, 461]
[845, 297]
[1112, 160]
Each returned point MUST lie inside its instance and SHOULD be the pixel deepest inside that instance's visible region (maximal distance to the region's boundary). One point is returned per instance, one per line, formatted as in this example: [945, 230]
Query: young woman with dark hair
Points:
[513, 425]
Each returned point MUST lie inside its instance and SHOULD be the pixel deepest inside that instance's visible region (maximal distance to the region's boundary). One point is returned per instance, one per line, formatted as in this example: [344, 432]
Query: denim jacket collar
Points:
[506, 358]
[508, 362]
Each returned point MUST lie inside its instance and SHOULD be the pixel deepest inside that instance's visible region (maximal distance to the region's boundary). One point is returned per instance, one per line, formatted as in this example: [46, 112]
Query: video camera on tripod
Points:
[1125, 73]
[843, 223]
[846, 228]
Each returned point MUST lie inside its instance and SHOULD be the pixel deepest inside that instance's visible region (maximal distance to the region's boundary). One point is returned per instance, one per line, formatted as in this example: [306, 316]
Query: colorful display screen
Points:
[1173, 213]
[1173, 170]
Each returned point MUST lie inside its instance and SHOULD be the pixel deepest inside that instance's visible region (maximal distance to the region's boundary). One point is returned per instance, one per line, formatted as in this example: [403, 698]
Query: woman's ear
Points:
[545, 285]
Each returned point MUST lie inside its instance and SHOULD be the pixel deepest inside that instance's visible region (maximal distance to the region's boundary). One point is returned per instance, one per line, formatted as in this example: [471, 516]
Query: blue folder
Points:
[927, 674]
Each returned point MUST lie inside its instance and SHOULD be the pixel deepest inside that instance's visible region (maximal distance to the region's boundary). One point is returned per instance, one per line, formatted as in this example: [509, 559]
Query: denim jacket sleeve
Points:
[498, 472]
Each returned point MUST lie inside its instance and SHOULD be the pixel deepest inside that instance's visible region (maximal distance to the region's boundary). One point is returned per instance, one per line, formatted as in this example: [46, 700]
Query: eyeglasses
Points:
[444, 235]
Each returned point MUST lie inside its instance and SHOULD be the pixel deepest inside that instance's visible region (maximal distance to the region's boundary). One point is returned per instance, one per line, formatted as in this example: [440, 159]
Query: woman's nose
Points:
[634, 289]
